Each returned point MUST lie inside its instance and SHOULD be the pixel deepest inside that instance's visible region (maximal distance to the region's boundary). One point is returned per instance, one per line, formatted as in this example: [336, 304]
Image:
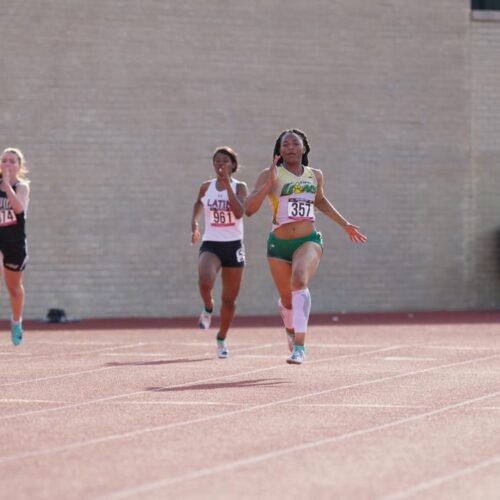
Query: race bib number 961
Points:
[300, 209]
[7, 217]
[221, 218]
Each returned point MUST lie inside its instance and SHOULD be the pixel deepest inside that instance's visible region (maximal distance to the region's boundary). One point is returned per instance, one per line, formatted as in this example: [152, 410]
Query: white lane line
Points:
[313, 346]
[261, 356]
[179, 403]
[386, 406]
[487, 408]
[257, 347]
[209, 471]
[437, 481]
[132, 434]
[361, 405]
[334, 346]
[160, 355]
[71, 374]
[300, 405]
[62, 375]
[15, 354]
[95, 370]
[72, 343]
[36, 357]
[234, 350]
[234, 347]
[189, 384]
[405, 358]
[238, 349]
[456, 347]
[32, 401]
[412, 345]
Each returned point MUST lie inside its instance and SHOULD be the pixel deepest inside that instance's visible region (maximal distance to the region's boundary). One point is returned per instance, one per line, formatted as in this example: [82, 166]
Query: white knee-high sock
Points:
[286, 316]
[301, 307]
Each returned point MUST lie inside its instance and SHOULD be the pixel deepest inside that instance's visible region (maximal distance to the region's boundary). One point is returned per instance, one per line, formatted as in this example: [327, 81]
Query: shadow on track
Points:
[240, 384]
[157, 362]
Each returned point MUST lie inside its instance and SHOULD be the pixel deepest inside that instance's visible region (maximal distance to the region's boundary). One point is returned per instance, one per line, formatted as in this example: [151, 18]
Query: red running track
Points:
[380, 410]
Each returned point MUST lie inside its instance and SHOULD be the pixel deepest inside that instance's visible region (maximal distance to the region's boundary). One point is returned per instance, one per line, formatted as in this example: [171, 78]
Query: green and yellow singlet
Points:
[292, 198]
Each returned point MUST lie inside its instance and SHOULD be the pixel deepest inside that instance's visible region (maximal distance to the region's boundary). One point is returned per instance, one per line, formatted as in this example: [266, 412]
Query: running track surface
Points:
[380, 410]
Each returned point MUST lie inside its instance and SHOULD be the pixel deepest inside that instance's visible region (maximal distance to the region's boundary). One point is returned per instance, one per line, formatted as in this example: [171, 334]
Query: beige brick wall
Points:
[484, 213]
[118, 106]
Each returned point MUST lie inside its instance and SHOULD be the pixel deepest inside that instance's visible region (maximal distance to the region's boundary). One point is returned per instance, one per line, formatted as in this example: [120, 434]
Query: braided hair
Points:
[302, 135]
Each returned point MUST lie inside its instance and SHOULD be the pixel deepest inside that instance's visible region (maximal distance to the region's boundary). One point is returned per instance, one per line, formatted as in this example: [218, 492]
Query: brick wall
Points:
[483, 261]
[118, 106]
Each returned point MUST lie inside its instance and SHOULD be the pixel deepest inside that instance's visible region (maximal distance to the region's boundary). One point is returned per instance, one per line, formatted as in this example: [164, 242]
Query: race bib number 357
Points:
[221, 218]
[300, 209]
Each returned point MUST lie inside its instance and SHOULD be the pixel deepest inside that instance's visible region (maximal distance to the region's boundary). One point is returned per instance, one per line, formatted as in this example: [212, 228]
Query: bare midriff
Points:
[294, 230]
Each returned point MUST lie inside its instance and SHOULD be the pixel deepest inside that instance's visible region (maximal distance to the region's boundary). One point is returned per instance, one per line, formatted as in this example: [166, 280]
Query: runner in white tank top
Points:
[294, 191]
[220, 222]
[222, 202]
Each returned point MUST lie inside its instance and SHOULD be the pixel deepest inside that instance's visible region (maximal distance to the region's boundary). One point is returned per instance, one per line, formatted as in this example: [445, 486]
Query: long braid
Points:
[302, 135]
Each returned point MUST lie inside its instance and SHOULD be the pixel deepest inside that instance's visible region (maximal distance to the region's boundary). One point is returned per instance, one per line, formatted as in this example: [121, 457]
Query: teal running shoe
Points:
[16, 333]
[297, 357]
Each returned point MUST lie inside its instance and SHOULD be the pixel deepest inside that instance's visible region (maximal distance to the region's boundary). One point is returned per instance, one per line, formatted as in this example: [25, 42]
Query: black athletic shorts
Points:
[230, 253]
[15, 254]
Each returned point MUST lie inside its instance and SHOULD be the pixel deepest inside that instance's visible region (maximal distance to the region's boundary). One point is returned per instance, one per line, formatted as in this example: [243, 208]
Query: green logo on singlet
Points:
[297, 188]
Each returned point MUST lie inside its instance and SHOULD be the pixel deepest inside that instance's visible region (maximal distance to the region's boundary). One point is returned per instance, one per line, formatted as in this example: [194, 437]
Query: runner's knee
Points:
[229, 302]
[299, 280]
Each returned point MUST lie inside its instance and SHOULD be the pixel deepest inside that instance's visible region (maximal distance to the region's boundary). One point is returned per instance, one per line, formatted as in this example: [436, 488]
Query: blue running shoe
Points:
[16, 333]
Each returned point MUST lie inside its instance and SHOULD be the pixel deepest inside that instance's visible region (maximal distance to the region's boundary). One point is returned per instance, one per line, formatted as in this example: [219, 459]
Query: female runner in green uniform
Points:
[294, 245]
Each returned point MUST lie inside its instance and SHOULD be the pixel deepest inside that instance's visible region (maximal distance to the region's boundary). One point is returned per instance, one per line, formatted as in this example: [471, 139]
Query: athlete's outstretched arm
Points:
[323, 204]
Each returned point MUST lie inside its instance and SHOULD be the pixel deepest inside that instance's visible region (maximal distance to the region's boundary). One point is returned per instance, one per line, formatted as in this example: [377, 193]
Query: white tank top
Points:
[220, 222]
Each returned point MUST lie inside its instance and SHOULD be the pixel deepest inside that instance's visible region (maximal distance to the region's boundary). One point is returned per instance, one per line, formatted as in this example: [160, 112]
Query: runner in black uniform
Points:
[14, 199]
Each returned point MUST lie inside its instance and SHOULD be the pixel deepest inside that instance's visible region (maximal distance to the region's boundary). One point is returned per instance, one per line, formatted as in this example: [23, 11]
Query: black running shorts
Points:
[230, 253]
[15, 254]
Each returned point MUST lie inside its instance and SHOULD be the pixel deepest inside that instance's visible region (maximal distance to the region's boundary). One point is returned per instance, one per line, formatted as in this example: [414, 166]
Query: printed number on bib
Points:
[221, 218]
[7, 218]
[300, 209]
